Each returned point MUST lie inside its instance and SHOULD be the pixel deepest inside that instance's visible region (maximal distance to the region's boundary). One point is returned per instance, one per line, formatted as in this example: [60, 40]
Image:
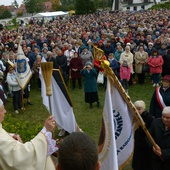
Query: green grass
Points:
[29, 122]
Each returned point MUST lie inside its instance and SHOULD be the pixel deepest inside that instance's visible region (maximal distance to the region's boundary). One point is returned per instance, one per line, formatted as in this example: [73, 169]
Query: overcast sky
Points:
[8, 2]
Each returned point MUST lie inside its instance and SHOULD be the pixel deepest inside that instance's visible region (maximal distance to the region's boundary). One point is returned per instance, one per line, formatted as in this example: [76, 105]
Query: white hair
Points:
[166, 110]
[141, 104]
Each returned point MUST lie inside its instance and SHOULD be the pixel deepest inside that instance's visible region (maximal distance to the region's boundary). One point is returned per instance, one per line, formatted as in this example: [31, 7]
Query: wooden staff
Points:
[114, 80]
[47, 69]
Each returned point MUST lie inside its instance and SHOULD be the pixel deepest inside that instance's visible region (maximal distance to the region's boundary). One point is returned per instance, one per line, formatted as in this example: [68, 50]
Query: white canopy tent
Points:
[50, 14]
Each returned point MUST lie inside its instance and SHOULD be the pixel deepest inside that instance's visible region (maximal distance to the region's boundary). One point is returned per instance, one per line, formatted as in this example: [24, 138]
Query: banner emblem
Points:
[21, 66]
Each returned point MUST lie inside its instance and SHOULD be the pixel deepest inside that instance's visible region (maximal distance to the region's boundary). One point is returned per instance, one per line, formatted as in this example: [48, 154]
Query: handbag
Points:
[100, 78]
[145, 68]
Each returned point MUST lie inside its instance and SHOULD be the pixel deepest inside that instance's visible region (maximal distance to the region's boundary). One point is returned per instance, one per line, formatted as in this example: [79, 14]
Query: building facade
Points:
[134, 5]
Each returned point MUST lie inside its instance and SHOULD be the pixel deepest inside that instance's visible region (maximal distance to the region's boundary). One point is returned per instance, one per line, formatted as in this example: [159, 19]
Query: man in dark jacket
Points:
[61, 63]
[31, 57]
[108, 48]
[160, 131]
[160, 98]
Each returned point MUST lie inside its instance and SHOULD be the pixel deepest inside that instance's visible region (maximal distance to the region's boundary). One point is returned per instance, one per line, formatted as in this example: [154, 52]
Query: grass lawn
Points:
[29, 122]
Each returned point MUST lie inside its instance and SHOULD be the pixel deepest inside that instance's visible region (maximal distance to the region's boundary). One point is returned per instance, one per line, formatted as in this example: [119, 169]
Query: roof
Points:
[50, 14]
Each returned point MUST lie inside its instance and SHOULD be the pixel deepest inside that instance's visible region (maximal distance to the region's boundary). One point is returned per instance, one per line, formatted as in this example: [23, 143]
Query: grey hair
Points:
[166, 110]
[141, 104]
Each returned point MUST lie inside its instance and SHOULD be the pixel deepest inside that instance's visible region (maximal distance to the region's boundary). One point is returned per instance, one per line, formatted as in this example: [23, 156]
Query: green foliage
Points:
[19, 14]
[65, 8]
[165, 5]
[84, 7]
[34, 6]
[4, 13]
[14, 22]
[15, 4]
[67, 2]
[103, 3]
[21, 126]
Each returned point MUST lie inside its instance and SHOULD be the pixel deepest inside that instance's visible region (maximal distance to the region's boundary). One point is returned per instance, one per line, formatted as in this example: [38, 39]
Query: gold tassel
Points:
[47, 69]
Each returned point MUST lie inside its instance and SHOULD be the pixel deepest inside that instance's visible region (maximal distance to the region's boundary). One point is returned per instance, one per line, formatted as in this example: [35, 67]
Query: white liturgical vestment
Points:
[28, 156]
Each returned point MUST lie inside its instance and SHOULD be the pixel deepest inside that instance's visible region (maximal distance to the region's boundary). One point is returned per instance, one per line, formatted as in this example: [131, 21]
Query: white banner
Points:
[118, 138]
[61, 109]
[23, 72]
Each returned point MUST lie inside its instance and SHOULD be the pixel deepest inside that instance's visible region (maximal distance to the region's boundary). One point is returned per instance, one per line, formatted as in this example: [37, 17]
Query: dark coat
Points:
[166, 64]
[61, 62]
[76, 63]
[90, 83]
[79, 51]
[114, 65]
[52, 59]
[142, 155]
[155, 109]
[108, 50]
[32, 58]
[162, 139]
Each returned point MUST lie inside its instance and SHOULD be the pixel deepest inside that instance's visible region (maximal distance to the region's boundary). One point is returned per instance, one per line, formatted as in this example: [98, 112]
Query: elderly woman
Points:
[18, 155]
[86, 56]
[50, 58]
[90, 84]
[128, 56]
[141, 58]
[142, 155]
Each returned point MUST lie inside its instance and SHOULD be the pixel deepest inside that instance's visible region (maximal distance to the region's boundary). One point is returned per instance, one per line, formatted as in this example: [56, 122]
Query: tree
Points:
[34, 6]
[84, 7]
[155, 2]
[55, 4]
[15, 4]
[4, 13]
[67, 2]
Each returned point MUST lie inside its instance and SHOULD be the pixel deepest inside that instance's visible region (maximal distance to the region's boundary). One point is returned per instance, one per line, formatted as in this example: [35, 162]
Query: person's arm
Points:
[131, 59]
[136, 58]
[64, 64]
[165, 153]
[2, 65]
[30, 155]
[80, 66]
[47, 130]
[129, 72]
[10, 81]
[157, 150]
[121, 58]
[115, 65]
[93, 71]
[161, 61]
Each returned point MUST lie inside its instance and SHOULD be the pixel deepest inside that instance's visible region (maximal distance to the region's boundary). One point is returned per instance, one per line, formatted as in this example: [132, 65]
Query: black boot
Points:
[98, 104]
[91, 105]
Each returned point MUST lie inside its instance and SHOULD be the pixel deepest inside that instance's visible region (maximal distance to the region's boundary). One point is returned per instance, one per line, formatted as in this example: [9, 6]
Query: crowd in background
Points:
[135, 43]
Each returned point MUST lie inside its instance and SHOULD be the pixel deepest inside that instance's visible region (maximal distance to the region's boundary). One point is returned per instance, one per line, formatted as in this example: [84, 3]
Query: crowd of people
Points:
[135, 44]
[69, 43]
